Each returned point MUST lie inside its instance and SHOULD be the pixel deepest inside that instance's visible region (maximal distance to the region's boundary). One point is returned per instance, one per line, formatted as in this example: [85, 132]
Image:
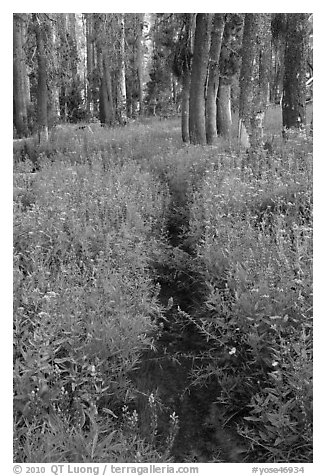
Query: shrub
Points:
[78, 144]
[91, 231]
[254, 249]
[84, 302]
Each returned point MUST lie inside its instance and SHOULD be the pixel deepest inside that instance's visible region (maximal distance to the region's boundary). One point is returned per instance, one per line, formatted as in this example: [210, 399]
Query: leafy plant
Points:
[254, 248]
[85, 305]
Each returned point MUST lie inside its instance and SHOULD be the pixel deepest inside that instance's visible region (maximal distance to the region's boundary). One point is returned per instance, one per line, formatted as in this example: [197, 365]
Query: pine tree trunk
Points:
[106, 99]
[254, 78]
[197, 129]
[186, 54]
[140, 62]
[229, 66]
[90, 63]
[64, 63]
[295, 60]
[213, 77]
[224, 116]
[104, 111]
[19, 78]
[74, 80]
[27, 86]
[54, 100]
[73, 45]
[277, 88]
[104, 103]
[121, 83]
[42, 89]
[185, 107]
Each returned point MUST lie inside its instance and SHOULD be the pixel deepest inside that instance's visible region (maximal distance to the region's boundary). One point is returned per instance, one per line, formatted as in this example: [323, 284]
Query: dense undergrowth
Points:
[254, 247]
[108, 216]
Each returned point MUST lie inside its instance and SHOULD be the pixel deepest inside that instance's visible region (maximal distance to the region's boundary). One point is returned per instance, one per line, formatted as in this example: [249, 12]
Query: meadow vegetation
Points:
[106, 211]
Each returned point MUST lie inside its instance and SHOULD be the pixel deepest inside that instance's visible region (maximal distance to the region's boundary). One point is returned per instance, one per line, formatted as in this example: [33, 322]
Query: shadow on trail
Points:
[165, 372]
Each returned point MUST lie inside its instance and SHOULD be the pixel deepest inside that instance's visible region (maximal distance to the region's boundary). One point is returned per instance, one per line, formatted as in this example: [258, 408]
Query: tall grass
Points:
[85, 306]
[73, 144]
[254, 248]
[91, 227]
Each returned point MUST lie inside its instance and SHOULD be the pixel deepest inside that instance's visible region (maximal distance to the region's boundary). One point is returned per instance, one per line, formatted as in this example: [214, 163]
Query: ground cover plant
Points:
[84, 305]
[109, 219]
[254, 245]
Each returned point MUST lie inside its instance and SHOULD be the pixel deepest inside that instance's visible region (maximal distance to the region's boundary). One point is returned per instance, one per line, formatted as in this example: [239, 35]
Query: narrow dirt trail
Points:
[166, 372]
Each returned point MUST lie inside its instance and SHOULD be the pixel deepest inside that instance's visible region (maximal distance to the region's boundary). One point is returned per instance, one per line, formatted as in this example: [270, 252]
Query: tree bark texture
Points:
[254, 77]
[26, 68]
[42, 89]
[278, 27]
[89, 63]
[71, 27]
[184, 72]
[213, 77]
[229, 65]
[19, 78]
[65, 64]
[277, 88]
[197, 129]
[224, 109]
[106, 100]
[140, 61]
[54, 96]
[295, 61]
[185, 94]
[121, 84]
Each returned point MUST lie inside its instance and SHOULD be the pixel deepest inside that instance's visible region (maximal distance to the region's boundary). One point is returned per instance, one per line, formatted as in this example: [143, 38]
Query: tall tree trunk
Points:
[74, 95]
[26, 69]
[278, 27]
[229, 66]
[174, 92]
[105, 117]
[279, 72]
[73, 45]
[254, 78]
[42, 89]
[106, 110]
[213, 77]
[106, 101]
[197, 129]
[294, 86]
[54, 99]
[90, 63]
[121, 83]
[64, 62]
[140, 61]
[19, 78]
[224, 108]
[184, 56]
[185, 106]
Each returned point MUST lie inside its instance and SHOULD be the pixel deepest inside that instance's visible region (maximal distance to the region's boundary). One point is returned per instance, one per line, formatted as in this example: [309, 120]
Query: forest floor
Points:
[204, 435]
[162, 297]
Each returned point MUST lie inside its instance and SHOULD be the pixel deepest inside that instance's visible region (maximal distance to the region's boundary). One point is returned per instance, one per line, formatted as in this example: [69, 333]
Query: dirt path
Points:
[202, 436]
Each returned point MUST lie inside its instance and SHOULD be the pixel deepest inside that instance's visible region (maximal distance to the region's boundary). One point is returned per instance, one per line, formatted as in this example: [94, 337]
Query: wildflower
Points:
[134, 417]
[49, 295]
[174, 418]
[232, 351]
[43, 314]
